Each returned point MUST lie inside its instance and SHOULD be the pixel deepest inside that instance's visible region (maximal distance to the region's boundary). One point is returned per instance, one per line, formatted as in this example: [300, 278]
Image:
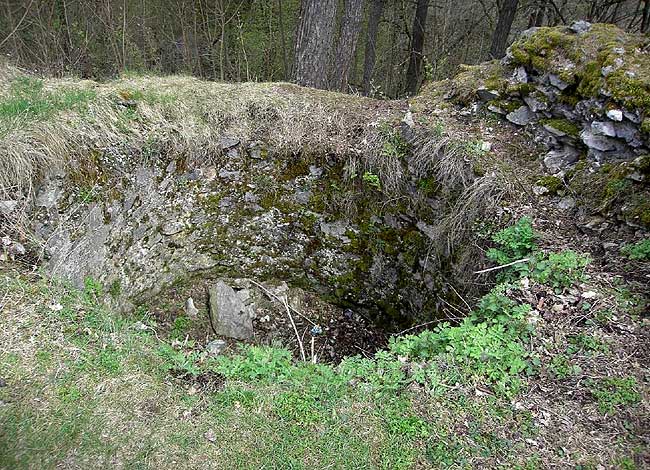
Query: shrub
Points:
[513, 243]
[639, 251]
[560, 270]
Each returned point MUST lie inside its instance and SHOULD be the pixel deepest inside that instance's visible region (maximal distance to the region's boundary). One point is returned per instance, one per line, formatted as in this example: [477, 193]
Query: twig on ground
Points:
[295, 330]
[273, 296]
[519, 261]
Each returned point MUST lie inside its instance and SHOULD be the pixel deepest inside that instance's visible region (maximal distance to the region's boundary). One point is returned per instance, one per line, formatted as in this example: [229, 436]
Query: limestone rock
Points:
[522, 116]
[7, 207]
[615, 115]
[580, 27]
[597, 142]
[190, 309]
[557, 82]
[566, 203]
[228, 142]
[216, 347]
[534, 104]
[485, 94]
[557, 160]
[603, 128]
[229, 313]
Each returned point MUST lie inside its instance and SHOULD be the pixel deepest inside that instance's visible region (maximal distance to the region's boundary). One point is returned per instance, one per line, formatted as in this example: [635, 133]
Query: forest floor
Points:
[551, 370]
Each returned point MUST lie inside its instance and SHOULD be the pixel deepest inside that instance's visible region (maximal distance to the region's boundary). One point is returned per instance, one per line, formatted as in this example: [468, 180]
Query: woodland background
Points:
[383, 48]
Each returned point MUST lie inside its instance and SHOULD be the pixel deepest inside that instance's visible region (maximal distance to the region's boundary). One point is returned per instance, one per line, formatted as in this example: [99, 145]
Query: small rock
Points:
[589, 295]
[534, 104]
[520, 75]
[603, 128]
[190, 308]
[216, 347]
[522, 116]
[607, 70]
[408, 119]
[540, 190]
[487, 95]
[566, 203]
[7, 207]
[615, 114]
[486, 146]
[496, 109]
[210, 435]
[597, 142]
[557, 160]
[228, 142]
[610, 246]
[232, 318]
[580, 27]
[16, 249]
[557, 82]
[171, 228]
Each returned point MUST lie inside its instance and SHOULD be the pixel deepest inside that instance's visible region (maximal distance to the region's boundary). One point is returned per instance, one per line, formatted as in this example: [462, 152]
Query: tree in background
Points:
[314, 42]
[236, 40]
[370, 56]
[347, 44]
[414, 73]
[507, 13]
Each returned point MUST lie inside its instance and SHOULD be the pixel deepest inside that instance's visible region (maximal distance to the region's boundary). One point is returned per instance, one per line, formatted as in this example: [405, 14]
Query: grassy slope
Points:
[86, 388]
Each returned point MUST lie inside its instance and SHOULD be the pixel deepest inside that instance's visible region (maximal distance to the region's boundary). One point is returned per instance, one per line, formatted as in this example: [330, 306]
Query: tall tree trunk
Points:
[314, 42]
[285, 60]
[347, 44]
[370, 56]
[414, 73]
[502, 31]
[645, 21]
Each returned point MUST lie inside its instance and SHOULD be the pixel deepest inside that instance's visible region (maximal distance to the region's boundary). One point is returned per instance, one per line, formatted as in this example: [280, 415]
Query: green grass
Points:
[89, 388]
[28, 100]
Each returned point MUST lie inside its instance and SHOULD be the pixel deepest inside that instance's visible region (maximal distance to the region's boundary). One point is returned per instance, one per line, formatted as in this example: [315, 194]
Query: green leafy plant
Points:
[256, 363]
[394, 144]
[372, 180]
[639, 251]
[179, 362]
[513, 243]
[612, 393]
[560, 270]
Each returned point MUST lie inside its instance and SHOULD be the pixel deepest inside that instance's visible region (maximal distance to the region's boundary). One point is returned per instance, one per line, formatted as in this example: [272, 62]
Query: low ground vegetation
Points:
[83, 386]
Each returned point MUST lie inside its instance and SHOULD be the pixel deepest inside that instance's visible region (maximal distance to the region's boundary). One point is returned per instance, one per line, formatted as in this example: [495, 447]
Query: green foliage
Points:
[613, 393]
[561, 367]
[28, 100]
[490, 343]
[639, 251]
[303, 409]
[372, 180]
[179, 362]
[180, 327]
[256, 364]
[514, 242]
[560, 270]
[587, 343]
[394, 144]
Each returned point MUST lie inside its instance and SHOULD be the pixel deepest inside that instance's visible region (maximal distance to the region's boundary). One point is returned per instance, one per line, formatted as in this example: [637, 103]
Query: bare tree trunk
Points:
[313, 42]
[370, 56]
[347, 44]
[285, 60]
[502, 31]
[413, 75]
[645, 20]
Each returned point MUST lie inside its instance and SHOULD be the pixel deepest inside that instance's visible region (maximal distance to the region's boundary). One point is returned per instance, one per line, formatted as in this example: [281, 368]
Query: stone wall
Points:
[584, 90]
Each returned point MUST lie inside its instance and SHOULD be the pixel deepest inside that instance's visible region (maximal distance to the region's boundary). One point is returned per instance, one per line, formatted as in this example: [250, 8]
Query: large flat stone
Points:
[229, 312]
